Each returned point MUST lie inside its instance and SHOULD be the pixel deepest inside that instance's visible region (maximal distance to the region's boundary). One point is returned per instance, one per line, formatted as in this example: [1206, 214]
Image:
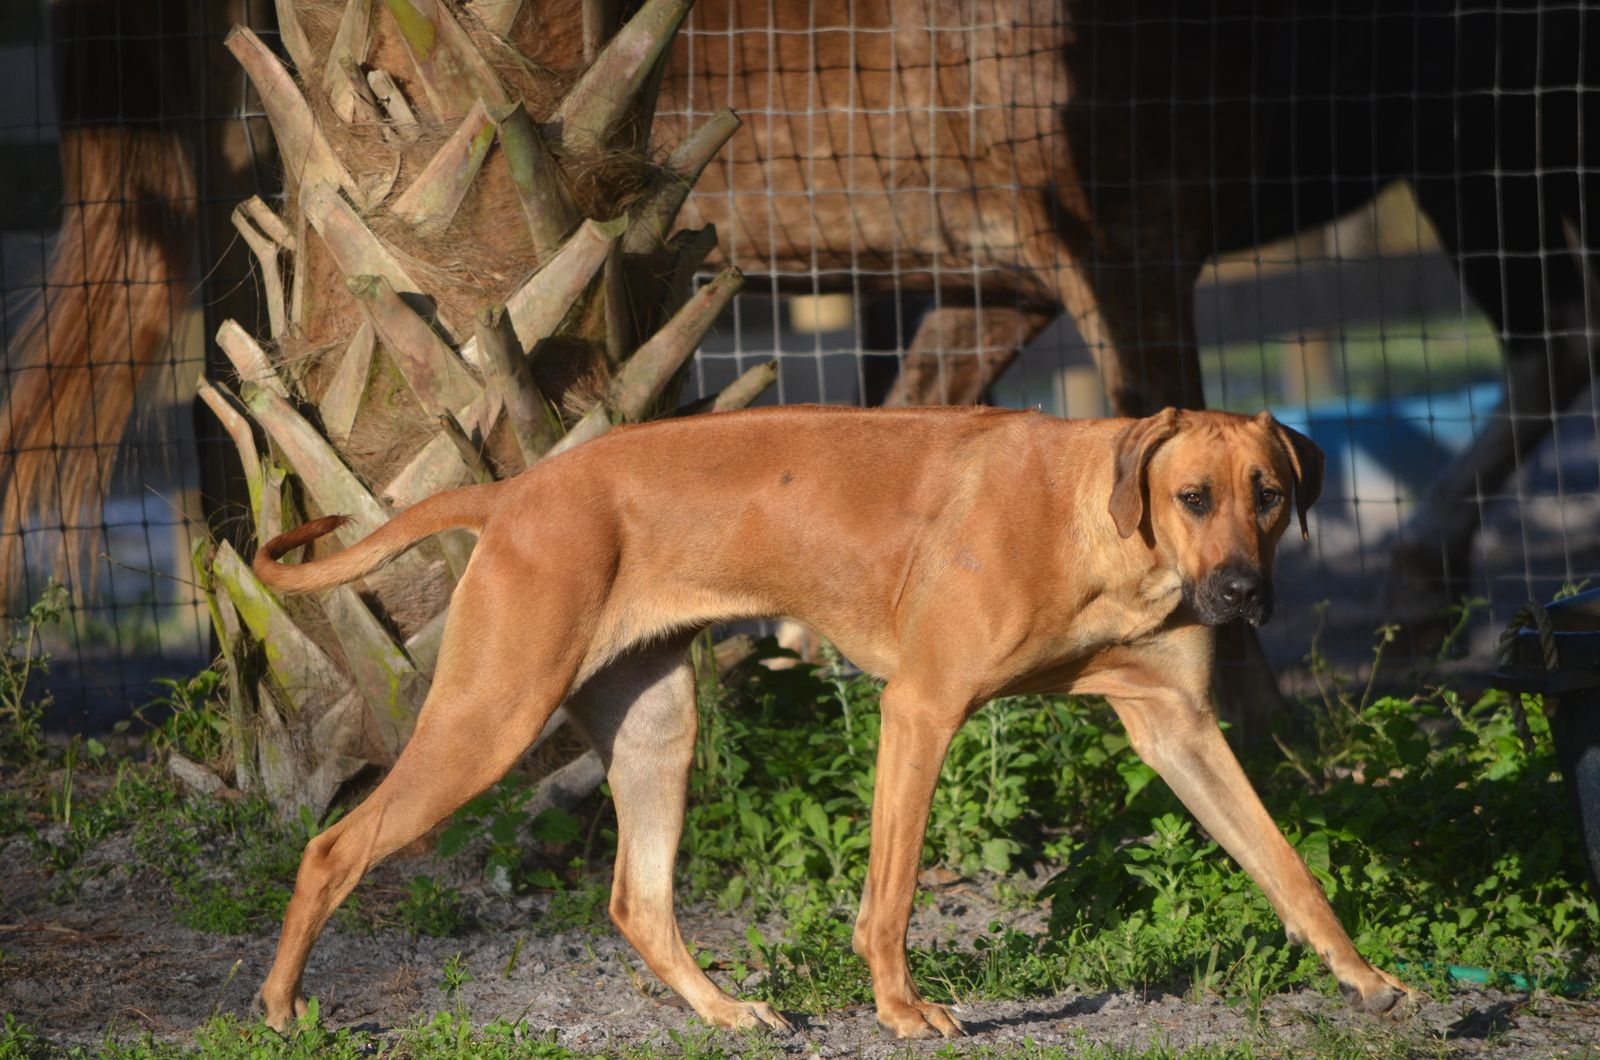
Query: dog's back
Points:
[812, 513]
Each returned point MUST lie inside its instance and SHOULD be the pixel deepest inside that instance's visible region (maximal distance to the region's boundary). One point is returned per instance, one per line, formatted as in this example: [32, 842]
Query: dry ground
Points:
[114, 959]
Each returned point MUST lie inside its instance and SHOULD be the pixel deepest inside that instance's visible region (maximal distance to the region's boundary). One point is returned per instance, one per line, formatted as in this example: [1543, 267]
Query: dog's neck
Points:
[1134, 587]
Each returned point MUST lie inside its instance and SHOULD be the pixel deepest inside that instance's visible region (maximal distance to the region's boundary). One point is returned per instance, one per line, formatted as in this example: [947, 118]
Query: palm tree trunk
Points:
[470, 272]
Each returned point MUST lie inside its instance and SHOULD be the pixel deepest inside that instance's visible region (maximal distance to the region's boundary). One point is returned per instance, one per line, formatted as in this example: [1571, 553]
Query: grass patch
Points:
[1411, 812]
[450, 1035]
[22, 658]
[778, 818]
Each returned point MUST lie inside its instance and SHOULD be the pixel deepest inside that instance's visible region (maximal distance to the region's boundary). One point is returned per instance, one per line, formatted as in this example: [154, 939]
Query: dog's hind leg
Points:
[639, 713]
[497, 683]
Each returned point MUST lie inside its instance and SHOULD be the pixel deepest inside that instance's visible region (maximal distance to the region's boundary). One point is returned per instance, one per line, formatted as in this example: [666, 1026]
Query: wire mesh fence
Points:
[1371, 219]
[124, 145]
[1374, 220]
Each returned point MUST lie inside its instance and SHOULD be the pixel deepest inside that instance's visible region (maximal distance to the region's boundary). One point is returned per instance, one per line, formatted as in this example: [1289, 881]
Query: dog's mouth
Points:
[1230, 594]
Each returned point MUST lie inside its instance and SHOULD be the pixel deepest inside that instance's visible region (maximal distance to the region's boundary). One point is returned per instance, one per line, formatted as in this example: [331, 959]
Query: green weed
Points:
[77, 820]
[1414, 825]
[429, 908]
[17, 1042]
[456, 976]
[22, 658]
[451, 1035]
[779, 799]
[230, 862]
[1408, 811]
[500, 819]
[578, 907]
[191, 721]
[1086, 1050]
[704, 1043]
[61, 794]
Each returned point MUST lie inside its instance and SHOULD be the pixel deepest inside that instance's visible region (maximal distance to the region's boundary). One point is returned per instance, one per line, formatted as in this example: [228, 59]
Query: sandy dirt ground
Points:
[115, 960]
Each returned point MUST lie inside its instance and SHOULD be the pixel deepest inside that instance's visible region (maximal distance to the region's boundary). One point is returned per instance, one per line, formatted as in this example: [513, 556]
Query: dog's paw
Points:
[921, 1019]
[758, 1015]
[1407, 1004]
[1387, 997]
[280, 1018]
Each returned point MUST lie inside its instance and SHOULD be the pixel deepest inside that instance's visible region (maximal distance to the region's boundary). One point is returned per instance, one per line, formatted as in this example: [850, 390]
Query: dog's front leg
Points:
[911, 752]
[1177, 734]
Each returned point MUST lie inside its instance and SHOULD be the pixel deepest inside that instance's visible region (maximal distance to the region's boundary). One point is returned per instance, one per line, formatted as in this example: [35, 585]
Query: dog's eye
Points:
[1268, 499]
[1195, 500]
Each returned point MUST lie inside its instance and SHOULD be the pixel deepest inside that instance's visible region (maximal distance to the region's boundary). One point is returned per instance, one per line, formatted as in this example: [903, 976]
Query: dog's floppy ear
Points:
[1306, 458]
[1136, 445]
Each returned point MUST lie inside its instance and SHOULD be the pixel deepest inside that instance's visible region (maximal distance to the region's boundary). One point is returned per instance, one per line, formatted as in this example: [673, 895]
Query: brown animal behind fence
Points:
[993, 154]
[894, 176]
[1027, 159]
[113, 294]
[1020, 159]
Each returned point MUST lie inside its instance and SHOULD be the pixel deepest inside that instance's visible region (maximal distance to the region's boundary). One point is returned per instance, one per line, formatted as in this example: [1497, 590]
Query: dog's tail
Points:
[466, 507]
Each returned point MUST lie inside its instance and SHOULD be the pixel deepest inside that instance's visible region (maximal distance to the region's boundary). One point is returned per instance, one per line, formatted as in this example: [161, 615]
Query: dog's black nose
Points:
[1230, 593]
[1240, 588]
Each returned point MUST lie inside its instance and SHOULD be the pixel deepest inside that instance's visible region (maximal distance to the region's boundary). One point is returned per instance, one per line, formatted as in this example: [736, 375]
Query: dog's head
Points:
[1211, 492]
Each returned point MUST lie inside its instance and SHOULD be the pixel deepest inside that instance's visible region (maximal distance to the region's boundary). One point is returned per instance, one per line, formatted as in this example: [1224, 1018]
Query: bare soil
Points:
[113, 959]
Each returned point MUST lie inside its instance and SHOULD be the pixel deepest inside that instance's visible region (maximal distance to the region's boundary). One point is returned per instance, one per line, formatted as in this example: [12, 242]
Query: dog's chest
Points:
[1117, 615]
[1066, 638]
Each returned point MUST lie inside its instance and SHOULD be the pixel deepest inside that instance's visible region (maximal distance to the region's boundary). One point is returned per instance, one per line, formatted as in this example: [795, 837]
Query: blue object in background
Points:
[1412, 439]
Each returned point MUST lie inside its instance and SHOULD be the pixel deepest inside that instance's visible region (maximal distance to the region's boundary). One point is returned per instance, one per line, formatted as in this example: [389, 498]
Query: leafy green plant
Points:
[134, 791]
[1407, 811]
[430, 908]
[188, 719]
[61, 795]
[581, 906]
[17, 1042]
[456, 976]
[22, 658]
[705, 1043]
[785, 770]
[229, 861]
[499, 816]
[1411, 813]
[1412, 817]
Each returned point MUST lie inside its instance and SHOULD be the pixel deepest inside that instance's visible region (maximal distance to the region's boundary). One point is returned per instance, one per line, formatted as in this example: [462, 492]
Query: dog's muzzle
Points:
[1233, 593]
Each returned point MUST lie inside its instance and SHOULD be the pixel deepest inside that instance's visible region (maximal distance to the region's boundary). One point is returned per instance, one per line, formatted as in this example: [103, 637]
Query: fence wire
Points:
[1374, 220]
[152, 77]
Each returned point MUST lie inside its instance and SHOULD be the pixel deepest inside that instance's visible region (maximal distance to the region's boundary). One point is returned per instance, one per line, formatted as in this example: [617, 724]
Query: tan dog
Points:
[961, 554]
